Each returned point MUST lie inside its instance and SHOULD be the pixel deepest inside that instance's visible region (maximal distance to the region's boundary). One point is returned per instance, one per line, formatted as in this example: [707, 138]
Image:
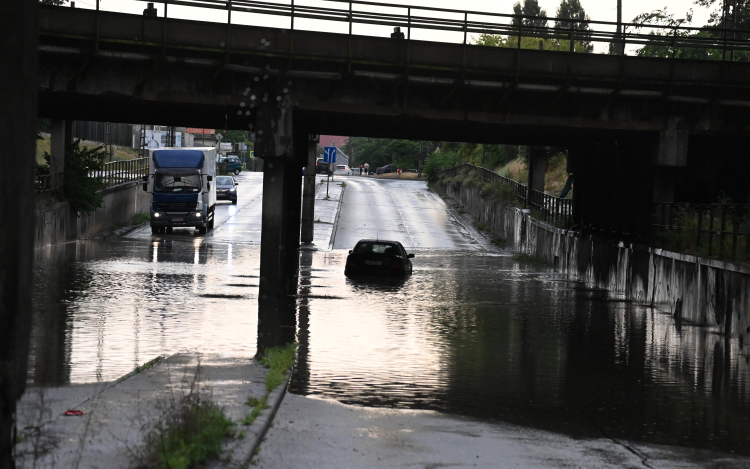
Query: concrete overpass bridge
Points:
[638, 130]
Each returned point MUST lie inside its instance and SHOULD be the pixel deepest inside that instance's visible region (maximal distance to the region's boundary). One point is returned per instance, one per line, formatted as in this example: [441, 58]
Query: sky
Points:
[601, 10]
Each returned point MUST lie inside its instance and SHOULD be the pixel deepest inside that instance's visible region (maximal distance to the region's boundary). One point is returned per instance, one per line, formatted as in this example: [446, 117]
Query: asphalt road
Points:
[404, 211]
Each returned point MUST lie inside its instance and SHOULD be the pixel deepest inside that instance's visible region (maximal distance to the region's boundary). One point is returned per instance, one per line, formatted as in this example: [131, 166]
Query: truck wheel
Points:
[236, 172]
[203, 229]
[234, 202]
[168, 230]
[155, 230]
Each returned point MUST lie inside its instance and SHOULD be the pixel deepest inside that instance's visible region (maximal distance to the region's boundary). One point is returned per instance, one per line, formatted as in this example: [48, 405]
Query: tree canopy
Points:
[663, 25]
[530, 8]
[571, 15]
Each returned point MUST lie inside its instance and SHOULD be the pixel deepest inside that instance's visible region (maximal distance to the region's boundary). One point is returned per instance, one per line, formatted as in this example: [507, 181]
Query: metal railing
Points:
[551, 209]
[119, 172]
[713, 230]
[42, 182]
[465, 22]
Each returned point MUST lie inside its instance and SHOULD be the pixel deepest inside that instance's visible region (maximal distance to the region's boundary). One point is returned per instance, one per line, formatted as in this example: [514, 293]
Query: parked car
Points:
[226, 189]
[378, 257]
[342, 169]
[234, 165]
[321, 167]
[389, 168]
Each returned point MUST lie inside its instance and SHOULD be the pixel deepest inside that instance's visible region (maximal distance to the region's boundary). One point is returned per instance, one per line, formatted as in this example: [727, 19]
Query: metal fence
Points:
[714, 230]
[42, 182]
[465, 22]
[553, 210]
[549, 208]
[119, 172]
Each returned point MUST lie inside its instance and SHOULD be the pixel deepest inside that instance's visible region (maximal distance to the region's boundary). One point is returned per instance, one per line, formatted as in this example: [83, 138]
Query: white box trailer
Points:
[181, 181]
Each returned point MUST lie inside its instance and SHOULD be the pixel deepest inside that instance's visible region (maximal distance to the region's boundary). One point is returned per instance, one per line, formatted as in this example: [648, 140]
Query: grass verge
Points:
[190, 430]
[278, 360]
[528, 258]
[141, 218]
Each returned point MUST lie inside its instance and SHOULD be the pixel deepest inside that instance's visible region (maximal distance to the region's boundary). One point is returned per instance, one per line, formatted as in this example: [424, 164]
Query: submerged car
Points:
[378, 257]
[226, 188]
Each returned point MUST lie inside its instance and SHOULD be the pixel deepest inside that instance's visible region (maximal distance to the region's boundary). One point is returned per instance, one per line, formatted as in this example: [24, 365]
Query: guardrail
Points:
[118, 172]
[465, 22]
[551, 209]
[42, 182]
[713, 230]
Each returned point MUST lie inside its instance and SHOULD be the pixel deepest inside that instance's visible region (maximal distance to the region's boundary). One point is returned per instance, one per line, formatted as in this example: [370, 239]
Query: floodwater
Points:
[471, 332]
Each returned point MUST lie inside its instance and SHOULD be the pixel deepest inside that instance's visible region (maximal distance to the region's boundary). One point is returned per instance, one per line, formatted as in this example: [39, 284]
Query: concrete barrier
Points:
[120, 206]
[709, 292]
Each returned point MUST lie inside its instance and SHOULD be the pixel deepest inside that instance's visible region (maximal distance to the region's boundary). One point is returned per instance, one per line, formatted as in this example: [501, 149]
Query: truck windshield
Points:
[183, 184]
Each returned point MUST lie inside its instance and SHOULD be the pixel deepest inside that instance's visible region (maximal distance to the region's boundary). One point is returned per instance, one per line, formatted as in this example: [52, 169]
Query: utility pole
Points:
[620, 44]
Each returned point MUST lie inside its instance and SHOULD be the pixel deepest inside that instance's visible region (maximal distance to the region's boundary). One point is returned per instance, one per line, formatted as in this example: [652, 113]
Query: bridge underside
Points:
[637, 130]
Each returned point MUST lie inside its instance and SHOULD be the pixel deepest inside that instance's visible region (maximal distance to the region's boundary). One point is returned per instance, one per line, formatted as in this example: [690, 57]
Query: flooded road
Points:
[472, 332]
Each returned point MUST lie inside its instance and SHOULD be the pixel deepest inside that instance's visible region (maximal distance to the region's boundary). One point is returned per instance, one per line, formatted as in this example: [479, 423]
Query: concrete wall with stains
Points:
[120, 206]
[708, 292]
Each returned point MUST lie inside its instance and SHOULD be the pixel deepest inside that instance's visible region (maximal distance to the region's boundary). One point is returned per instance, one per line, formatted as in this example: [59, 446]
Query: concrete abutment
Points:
[708, 292]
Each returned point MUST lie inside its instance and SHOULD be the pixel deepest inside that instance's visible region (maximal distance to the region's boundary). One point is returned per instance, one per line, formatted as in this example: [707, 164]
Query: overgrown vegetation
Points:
[499, 242]
[481, 226]
[278, 360]
[141, 218]
[528, 258]
[191, 430]
[685, 237]
[258, 406]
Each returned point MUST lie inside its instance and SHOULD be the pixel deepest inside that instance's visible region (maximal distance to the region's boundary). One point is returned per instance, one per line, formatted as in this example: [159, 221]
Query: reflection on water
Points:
[486, 337]
[101, 308]
[467, 334]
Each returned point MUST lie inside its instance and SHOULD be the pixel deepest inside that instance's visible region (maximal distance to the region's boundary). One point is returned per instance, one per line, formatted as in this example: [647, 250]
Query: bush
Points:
[79, 188]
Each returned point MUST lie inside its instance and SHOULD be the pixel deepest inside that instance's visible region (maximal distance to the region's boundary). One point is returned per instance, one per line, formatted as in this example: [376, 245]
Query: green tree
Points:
[53, 2]
[381, 151]
[79, 188]
[535, 18]
[571, 15]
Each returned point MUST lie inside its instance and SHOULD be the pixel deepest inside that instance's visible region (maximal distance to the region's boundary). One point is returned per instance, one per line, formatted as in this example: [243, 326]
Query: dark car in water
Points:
[226, 189]
[378, 257]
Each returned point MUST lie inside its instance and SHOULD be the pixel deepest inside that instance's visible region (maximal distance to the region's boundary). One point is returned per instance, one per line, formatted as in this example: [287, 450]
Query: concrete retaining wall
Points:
[121, 204]
[709, 292]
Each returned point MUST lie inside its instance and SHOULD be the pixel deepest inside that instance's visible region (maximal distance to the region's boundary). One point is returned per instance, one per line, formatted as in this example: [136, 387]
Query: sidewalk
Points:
[327, 207]
[118, 415]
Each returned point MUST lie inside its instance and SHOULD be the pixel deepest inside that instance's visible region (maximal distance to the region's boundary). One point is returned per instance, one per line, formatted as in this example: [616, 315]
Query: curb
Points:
[243, 453]
[336, 220]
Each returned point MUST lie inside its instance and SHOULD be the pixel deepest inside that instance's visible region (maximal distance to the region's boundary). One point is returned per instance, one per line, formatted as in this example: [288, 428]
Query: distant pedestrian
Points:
[361, 167]
[367, 169]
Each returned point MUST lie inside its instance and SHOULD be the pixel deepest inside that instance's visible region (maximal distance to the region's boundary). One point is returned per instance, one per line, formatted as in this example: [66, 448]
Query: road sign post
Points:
[329, 156]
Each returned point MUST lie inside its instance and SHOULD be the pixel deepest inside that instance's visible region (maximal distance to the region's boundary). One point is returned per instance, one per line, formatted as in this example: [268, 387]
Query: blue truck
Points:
[181, 181]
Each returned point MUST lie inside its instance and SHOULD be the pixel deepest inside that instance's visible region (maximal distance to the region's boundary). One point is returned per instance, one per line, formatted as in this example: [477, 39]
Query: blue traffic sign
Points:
[329, 154]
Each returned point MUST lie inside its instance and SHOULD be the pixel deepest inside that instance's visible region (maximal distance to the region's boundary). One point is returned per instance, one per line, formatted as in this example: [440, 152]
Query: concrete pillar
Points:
[538, 162]
[61, 137]
[308, 197]
[274, 143]
[18, 119]
[670, 155]
[293, 208]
